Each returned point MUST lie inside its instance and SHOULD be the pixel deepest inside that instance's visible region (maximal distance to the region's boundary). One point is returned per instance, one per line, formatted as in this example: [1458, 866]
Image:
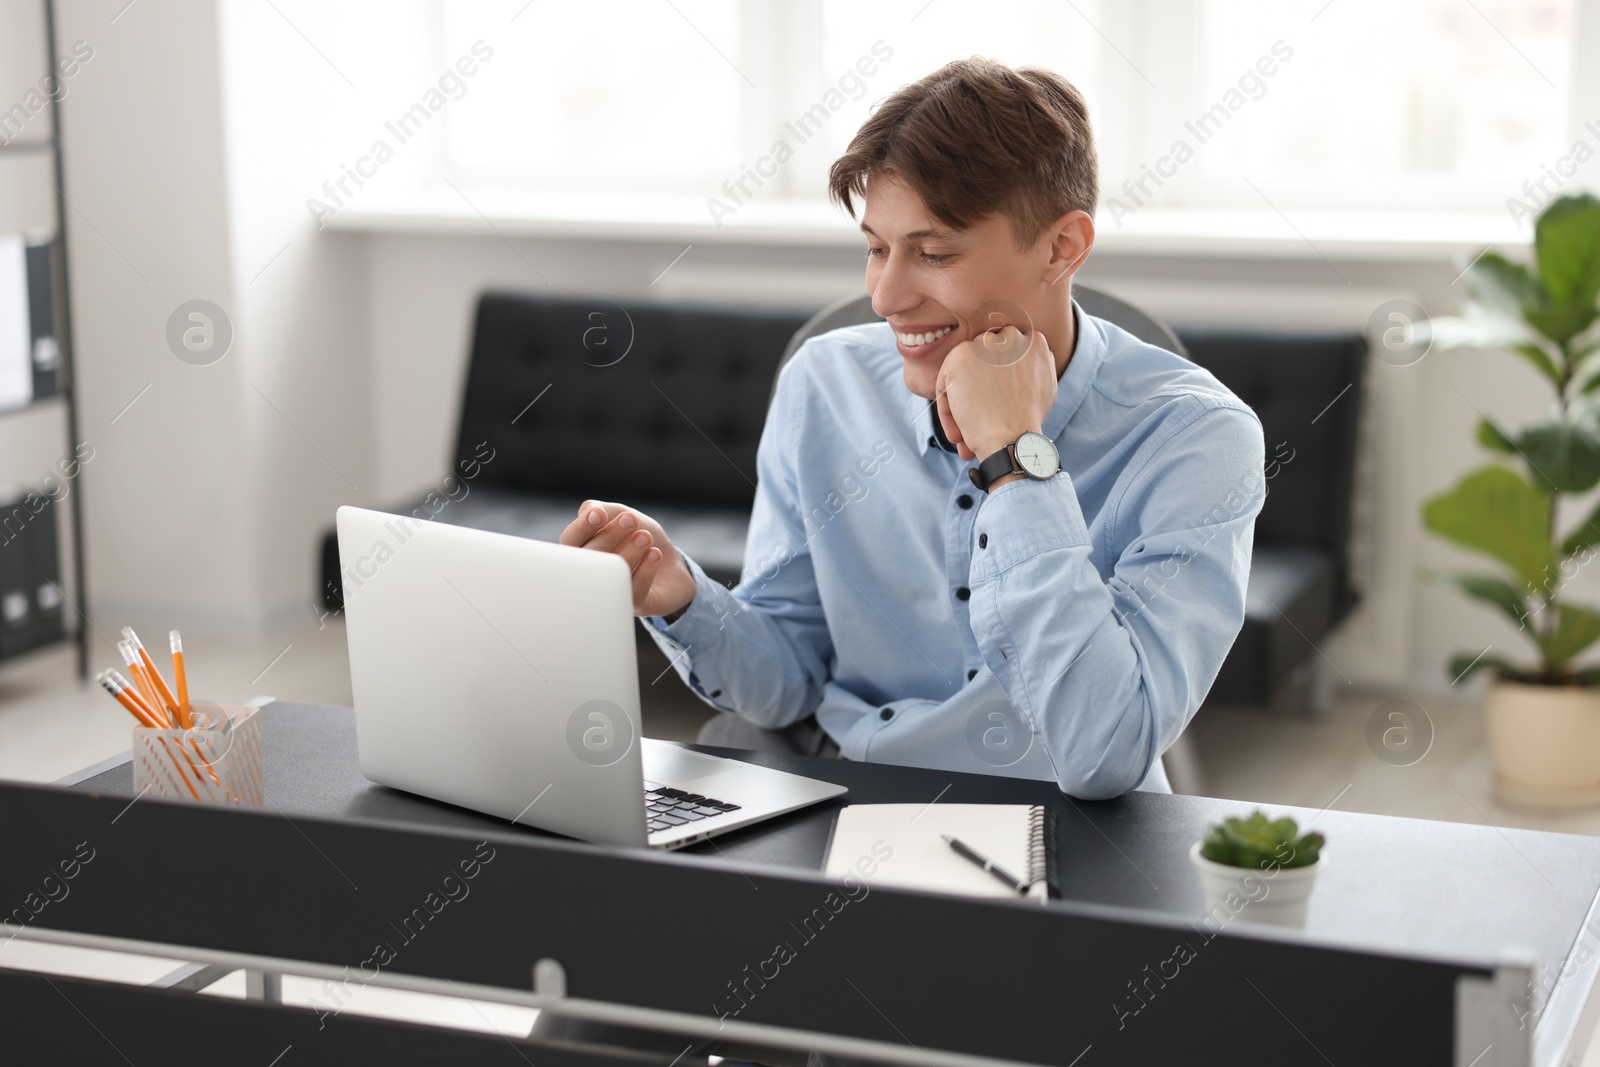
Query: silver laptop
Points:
[500, 674]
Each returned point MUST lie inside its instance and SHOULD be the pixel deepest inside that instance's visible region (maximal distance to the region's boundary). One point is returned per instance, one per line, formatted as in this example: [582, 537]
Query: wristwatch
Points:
[1032, 454]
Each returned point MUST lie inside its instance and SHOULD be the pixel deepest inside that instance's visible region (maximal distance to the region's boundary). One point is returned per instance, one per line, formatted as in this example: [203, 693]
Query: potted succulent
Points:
[1258, 869]
[1543, 716]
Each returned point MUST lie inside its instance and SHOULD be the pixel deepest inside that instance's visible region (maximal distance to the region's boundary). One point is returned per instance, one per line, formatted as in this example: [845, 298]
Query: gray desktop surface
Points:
[1409, 886]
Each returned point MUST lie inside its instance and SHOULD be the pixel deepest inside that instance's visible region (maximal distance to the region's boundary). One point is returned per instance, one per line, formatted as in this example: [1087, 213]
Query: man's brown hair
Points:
[976, 138]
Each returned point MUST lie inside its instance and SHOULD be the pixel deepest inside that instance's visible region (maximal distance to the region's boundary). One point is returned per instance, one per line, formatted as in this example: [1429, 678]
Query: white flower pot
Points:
[1276, 895]
[1545, 743]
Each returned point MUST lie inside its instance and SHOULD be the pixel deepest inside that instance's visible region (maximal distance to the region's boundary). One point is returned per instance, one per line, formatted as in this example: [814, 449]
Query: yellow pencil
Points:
[157, 719]
[160, 683]
[179, 675]
[147, 692]
[126, 699]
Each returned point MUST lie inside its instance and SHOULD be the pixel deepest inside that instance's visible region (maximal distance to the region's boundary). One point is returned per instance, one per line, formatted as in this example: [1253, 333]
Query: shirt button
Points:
[964, 501]
[886, 714]
[933, 442]
[716, 693]
[963, 593]
[972, 674]
[983, 540]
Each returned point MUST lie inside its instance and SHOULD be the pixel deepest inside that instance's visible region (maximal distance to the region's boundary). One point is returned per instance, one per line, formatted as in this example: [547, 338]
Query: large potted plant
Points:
[1543, 713]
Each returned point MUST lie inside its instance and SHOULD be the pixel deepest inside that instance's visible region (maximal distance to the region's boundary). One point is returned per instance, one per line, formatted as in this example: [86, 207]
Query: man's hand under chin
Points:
[994, 388]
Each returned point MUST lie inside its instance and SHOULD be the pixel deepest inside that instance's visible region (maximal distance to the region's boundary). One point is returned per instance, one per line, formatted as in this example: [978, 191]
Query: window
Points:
[1046, 33]
[1447, 104]
[625, 94]
[1424, 102]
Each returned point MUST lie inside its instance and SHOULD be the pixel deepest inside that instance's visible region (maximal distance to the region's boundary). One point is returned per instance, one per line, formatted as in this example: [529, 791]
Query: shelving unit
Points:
[20, 423]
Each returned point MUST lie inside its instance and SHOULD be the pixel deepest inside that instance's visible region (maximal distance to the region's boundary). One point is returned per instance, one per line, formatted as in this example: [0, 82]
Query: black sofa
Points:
[1307, 390]
[659, 406]
[662, 407]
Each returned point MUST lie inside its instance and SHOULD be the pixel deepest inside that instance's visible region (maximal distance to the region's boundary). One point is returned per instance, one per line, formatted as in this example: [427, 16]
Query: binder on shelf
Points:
[16, 346]
[45, 352]
[44, 577]
[16, 593]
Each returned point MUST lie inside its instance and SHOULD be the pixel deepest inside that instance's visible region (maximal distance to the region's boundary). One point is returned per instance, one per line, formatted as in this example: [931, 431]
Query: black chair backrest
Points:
[1117, 311]
[1307, 390]
[637, 401]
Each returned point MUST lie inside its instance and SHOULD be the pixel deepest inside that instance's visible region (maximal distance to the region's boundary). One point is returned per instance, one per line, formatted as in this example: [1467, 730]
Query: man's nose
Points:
[894, 293]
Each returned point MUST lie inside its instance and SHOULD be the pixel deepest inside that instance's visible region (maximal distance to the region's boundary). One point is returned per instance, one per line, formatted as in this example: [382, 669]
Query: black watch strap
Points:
[992, 468]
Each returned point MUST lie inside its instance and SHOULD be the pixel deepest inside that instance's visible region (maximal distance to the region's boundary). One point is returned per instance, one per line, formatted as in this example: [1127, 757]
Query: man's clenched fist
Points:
[994, 388]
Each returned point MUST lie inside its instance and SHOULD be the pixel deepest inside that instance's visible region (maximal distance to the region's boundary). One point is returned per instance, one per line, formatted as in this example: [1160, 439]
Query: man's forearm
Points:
[739, 657]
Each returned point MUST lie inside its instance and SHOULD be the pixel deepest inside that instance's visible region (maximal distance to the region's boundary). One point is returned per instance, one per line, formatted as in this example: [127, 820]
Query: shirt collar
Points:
[1088, 352]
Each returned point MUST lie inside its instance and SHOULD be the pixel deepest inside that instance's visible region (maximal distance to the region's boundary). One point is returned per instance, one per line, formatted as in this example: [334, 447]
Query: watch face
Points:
[1036, 455]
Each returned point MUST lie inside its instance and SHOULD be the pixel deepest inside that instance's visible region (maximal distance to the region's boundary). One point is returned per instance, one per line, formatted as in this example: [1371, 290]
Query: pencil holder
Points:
[217, 761]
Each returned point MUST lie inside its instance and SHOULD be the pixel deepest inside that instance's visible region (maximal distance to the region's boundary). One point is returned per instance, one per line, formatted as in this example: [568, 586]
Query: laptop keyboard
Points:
[666, 808]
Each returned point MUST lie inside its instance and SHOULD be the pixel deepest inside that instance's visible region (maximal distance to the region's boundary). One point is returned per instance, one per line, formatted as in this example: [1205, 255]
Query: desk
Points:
[1411, 895]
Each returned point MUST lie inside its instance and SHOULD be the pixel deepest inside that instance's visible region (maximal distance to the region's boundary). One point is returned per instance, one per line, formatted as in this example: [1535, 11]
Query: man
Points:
[993, 533]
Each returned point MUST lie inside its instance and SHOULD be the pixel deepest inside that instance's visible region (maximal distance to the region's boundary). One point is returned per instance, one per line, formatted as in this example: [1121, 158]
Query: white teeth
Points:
[914, 340]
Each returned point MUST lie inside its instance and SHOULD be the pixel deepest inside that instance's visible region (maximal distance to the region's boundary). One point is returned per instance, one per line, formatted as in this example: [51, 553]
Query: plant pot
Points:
[1277, 896]
[1545, 743]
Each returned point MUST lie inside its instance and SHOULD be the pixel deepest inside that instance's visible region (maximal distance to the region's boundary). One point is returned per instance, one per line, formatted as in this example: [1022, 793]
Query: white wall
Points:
[168, 502]
[299, 300]
[204, 496]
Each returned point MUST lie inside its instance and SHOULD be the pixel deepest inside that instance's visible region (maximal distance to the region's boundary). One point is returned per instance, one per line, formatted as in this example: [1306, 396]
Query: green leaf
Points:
[1576, 629]
[1541, 361]
[1306, 850]
[1495, 511]
[1494, 591]
[1493, 437]
[1577, 358]
[1562, 322]
[1504, 288]
[1562, 457]
[1566, 241]
[1462, 667]
[1255, 842]
[1584, 535]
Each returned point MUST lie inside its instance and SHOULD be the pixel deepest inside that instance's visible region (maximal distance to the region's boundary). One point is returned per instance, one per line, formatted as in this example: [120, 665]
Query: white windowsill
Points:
[1343, 235]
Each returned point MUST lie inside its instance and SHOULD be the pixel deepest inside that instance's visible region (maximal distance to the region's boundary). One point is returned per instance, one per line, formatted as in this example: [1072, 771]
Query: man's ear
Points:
[1071, 239]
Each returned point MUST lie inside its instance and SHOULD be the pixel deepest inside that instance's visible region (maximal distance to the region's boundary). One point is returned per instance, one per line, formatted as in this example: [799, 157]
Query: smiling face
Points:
[938, 286]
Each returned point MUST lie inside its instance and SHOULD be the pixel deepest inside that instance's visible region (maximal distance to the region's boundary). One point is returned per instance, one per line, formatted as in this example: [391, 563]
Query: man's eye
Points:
[877, 253]
[930, 257]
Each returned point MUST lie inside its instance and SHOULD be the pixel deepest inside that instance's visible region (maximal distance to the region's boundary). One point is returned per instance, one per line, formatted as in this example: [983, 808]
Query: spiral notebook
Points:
[901, 845]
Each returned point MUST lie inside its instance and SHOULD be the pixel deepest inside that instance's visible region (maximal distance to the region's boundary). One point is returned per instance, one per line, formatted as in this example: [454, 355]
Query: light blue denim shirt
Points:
[1064, 629]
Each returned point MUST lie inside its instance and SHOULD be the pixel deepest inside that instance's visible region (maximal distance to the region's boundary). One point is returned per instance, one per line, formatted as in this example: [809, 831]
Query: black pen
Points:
[968, 852]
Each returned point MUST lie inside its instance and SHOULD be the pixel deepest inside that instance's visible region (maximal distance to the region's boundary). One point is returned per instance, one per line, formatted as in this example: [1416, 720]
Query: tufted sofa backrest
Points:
[635, 402]
[1307, 390]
